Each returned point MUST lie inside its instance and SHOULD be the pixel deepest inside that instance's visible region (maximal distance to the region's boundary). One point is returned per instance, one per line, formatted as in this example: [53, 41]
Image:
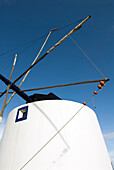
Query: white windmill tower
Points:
[48, 133]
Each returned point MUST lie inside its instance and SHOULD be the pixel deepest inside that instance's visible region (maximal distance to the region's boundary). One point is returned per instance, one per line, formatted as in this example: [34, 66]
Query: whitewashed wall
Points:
[79, 146]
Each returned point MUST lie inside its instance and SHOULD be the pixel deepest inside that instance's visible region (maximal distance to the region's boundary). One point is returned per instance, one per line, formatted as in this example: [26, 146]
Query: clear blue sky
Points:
[23, 21]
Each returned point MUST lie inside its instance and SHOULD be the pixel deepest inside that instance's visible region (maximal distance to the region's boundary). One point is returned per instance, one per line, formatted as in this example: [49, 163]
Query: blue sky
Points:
[23, 21]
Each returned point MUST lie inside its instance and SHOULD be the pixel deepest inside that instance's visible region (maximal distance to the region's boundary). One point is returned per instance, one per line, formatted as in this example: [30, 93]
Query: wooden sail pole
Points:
[3, 107]
[64, 85]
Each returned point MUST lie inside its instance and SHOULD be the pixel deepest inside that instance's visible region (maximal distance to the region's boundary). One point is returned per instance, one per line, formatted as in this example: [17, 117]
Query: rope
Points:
[32, 42]
[87, 56]
[23, 45]
[56, 134]
[93, 103]
[98, 48]
[52, 137]
[65, 26]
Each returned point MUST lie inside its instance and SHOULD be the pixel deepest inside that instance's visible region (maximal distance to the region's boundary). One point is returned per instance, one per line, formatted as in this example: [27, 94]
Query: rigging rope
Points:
[52, 137]
[98, 47]
[87, 56]
[56, 133]
[65, 26]
[32, 42]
